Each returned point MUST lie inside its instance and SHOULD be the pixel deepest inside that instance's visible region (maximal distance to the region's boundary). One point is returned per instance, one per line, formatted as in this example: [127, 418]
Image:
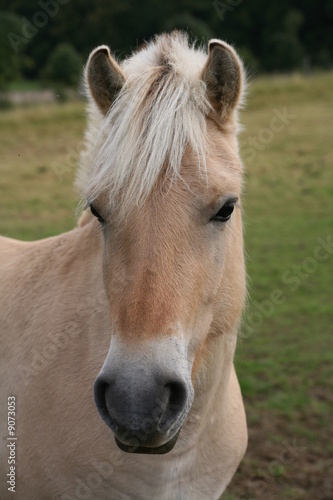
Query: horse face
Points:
[173, 276]
[173, 265]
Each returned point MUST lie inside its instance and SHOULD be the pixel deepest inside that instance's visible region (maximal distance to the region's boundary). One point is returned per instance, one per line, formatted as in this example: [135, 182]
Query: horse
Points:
[118, 337]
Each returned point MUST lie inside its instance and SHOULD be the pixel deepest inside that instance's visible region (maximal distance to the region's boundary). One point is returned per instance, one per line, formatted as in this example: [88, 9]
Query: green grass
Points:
[288, 206]
[25, 85]
[39, 147]
[285, 361]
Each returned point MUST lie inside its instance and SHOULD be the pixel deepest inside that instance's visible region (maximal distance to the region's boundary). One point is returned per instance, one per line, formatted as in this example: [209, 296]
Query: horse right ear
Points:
[104, 77]
[224, 77]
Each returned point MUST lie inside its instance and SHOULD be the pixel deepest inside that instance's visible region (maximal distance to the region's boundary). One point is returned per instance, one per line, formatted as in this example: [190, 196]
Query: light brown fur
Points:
[164, 265]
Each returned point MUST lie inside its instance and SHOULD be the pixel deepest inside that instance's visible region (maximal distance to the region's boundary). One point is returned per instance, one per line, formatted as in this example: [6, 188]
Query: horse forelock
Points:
[159, 111]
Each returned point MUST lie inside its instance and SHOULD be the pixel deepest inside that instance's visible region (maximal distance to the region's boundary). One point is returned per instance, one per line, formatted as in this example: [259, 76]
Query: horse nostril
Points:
[178, 394]
[151, 409]
[100, 391]
[176, 403]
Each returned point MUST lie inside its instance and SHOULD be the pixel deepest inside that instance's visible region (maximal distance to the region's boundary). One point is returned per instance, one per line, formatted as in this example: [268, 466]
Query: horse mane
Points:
[159, 111]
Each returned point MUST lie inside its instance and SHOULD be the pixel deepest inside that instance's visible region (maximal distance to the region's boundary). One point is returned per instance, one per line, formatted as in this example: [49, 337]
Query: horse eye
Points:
[225, 212]
[96, 214]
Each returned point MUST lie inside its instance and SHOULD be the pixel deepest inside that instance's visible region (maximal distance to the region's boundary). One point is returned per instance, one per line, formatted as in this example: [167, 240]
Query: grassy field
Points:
[285, 356]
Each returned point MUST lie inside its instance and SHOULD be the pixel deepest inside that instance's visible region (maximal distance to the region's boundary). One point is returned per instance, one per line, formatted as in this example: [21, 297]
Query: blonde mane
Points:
[133, 327]
[159, 111]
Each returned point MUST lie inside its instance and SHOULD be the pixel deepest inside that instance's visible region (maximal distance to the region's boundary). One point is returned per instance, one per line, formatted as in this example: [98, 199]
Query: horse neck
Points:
[214, 383]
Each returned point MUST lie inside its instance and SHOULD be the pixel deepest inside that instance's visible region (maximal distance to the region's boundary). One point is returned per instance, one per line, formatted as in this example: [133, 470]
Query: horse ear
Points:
[104, 77]
[223, 75]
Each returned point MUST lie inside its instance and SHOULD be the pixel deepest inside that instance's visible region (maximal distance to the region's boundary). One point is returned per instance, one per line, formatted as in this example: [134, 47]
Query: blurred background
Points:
[37, 37]
[284, 357]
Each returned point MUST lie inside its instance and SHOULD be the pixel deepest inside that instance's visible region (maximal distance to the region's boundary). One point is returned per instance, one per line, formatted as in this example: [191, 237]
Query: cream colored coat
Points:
[59, 301]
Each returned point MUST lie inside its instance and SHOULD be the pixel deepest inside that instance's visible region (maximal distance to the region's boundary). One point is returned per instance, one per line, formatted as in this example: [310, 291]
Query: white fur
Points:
[127, 150]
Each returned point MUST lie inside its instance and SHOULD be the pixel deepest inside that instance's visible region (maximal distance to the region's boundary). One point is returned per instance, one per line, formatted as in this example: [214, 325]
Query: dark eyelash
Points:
[96, 214]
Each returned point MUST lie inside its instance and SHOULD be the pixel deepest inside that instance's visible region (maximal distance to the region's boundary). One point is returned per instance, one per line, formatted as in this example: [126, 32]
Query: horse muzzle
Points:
[143, 403]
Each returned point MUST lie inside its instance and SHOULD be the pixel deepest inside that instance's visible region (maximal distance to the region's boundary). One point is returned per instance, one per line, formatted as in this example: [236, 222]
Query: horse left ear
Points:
[104, 77]
[223, 75]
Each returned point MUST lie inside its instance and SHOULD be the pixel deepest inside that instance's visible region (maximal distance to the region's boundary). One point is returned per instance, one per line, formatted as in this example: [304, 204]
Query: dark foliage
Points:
[272, 36]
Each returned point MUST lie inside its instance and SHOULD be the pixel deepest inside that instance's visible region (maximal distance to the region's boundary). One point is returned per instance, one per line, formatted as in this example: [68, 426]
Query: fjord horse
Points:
[118, 337]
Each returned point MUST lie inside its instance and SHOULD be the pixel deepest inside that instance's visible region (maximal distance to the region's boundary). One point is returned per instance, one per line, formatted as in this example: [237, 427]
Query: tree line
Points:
[50, 39]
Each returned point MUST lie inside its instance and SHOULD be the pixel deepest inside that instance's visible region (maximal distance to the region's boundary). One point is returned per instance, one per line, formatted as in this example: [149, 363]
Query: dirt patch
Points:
[282, 464]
